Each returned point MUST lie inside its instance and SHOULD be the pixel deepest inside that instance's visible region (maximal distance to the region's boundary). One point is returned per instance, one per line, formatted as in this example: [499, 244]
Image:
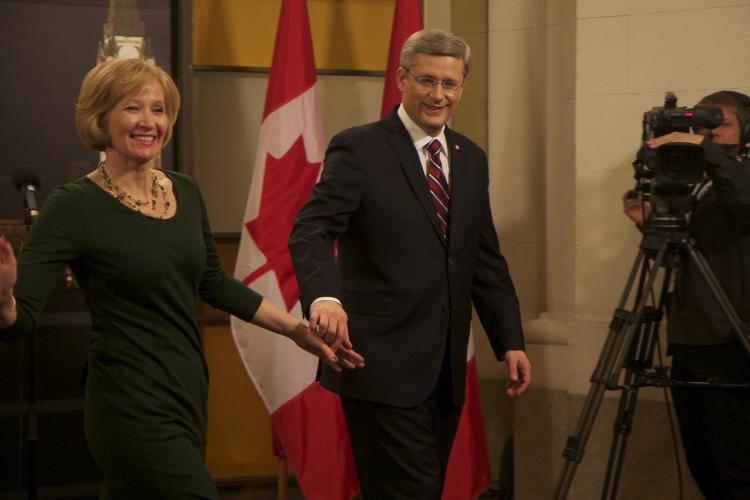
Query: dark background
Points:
[48, 46]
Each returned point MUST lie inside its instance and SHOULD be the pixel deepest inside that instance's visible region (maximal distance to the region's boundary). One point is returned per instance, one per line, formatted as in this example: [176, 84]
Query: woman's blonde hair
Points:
[108, 83]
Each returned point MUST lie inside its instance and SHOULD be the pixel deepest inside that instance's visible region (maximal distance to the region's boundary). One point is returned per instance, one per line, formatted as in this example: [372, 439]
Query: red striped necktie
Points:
[438, 184]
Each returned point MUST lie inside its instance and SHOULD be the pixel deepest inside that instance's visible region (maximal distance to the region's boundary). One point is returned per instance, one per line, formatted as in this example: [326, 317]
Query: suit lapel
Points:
[410, 163]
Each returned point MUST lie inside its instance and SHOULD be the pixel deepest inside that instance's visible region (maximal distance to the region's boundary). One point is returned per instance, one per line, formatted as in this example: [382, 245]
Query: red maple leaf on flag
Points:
[287, 184]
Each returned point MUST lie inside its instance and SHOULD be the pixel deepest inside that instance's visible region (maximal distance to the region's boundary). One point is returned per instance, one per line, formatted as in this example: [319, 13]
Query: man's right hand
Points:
[635, 208]
[329, 321]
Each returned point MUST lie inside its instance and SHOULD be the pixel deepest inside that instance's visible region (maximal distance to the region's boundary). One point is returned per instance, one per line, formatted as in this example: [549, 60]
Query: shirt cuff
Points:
[331, 299]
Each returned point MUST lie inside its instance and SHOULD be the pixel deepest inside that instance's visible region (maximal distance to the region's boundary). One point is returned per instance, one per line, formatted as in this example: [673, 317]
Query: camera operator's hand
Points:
[634, 207]
[675, 137]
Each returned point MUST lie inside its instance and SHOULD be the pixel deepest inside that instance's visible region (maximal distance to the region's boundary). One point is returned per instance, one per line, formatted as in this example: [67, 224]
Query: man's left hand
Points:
[519, 372]
[675, 137]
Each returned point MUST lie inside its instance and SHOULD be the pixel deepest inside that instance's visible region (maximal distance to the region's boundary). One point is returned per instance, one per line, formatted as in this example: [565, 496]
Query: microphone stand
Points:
[32, 420]
[26, 180]
[32, 432]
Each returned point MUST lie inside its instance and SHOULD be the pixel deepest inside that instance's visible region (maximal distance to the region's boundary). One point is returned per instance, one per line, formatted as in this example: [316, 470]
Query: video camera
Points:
[669, 172]
[678, 164]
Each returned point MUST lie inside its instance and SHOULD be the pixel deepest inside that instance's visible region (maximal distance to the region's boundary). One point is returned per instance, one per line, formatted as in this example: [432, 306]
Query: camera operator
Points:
[714, 419]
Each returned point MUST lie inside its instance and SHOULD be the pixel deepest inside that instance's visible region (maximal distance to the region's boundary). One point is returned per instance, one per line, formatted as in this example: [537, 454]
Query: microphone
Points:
[26, 180]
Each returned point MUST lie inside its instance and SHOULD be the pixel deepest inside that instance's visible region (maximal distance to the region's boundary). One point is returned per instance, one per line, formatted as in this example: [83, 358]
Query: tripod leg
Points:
[608, 367]
[622, 428]
[636, 366]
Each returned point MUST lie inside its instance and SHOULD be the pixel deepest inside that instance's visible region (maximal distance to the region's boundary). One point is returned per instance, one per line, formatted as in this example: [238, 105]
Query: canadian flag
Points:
[407, 19]
[308, 421]
[468, 471]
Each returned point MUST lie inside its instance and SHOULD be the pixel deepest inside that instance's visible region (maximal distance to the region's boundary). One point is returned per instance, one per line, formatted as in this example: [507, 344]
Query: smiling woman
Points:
[122, 79]
[137, 125]
[130, 123]
[141, 261]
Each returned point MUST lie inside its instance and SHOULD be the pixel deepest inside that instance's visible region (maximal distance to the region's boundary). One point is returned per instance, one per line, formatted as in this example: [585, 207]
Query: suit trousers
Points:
[714, 421]
[402, 453]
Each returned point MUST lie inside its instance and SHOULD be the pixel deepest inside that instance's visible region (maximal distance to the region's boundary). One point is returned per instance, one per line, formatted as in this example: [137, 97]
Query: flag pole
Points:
[283, 478]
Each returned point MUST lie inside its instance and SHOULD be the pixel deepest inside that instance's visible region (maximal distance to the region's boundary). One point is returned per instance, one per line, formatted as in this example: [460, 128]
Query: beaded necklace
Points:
[128, 200]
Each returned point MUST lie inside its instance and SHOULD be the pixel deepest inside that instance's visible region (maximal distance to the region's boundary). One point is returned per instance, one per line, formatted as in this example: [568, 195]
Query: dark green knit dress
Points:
[146, 389]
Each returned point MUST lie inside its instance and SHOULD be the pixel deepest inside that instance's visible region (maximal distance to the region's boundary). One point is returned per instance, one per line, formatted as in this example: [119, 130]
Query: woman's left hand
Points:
[342, 358]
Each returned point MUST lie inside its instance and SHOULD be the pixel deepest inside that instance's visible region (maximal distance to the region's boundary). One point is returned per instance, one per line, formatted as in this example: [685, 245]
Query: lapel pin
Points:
[457, 146]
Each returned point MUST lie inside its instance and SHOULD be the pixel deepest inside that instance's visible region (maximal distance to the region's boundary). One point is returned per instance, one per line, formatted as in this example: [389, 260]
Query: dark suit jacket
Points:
[407, 291]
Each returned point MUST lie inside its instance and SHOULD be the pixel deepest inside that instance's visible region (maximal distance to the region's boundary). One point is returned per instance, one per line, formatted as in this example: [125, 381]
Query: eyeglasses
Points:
[429, 83]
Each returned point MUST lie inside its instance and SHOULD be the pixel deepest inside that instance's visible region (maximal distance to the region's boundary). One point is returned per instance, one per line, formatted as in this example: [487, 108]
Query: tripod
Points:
[630, 343]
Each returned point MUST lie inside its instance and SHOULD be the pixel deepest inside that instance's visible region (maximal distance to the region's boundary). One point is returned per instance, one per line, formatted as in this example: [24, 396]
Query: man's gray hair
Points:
[435, 42]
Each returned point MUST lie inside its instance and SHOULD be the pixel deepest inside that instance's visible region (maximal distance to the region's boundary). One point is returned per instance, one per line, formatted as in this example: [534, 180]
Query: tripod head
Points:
[670, 204]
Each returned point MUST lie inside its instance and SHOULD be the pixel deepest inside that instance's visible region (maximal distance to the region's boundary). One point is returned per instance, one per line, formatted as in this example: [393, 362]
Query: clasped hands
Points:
[329, 322]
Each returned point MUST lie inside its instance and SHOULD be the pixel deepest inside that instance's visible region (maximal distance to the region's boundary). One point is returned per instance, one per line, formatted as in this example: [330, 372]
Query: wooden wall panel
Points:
[347, 34]
[239, 428]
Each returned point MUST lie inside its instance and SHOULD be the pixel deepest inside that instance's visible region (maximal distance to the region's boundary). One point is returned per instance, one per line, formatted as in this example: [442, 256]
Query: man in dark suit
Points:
[415, 246]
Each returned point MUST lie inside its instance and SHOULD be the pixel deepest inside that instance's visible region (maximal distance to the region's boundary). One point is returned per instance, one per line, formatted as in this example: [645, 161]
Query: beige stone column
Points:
[531, 145]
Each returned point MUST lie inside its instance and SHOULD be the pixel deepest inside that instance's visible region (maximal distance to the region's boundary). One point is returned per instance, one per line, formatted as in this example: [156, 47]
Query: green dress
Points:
[147, 384]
